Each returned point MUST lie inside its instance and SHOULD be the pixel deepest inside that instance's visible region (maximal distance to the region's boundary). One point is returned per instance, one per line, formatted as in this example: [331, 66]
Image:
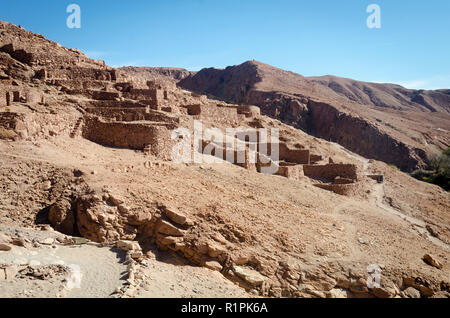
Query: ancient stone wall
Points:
[114, 104]
[226, 115]
[133, 114]
[32, 125]
[11, 120]
[80, 84]
[236, 156]
[82, 73]
[300, 156]
[331, 171]
[152, 97]
[342, 189]
[139, 136]
[315, 158]
[104, 95]
[4, 96]
[18, 54]
[249, 111]
[294, 172]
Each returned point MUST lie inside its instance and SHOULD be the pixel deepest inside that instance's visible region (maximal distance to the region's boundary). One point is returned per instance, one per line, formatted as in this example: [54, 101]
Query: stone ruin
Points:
[118, 110]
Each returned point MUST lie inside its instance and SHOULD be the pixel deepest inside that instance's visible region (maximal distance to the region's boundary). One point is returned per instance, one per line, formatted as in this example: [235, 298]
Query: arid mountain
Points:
[382, 121]
[90, 175]
[170, 73]
[387, 95]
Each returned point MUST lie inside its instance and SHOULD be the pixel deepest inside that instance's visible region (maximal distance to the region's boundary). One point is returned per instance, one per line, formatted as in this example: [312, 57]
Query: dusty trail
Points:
[379, 194]
[96, 271]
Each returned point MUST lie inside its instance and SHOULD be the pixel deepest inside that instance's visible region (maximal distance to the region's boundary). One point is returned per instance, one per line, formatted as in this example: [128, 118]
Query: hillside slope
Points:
[393, 124]
[88, 151]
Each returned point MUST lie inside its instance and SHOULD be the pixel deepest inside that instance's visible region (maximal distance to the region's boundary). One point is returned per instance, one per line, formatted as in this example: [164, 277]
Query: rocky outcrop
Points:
[168, 73]
[362, 137]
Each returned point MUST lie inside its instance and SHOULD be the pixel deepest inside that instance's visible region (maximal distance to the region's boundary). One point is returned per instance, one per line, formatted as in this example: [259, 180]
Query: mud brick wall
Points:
[153, 97]
[315, 158]
[12, 121]
[331, 171]
[220, 151]
[82, 73]
[18, 54]
[24, 125]
[291, 172]
[225, 114]
[249, 111]
[136, 114]
[3, 97]
[33, 97]
[300, 156]
[222, 115]
[80, 84]
[119, 114]
[131, 136]
[115, 104]
[103, 95]
[342, 189]
[340, 180]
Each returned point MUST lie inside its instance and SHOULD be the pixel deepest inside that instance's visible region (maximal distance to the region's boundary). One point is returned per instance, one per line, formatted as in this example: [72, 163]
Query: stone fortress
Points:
[266, 233]
[118, 111]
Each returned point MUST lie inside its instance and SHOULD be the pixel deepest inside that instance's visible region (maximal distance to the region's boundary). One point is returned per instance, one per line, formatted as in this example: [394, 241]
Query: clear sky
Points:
[312, 38]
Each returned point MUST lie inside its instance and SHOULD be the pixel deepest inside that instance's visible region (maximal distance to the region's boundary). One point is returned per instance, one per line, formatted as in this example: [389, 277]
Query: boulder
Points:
[5, 247]
[47, 241]
[441, 294]
[175, 216]
[46, 185]
[115, 200]
[383, 292]
[169, 240]
[411, 292]
[241, 260]
[337, 293]
[61, 216]
[215, 250]
[213, 265]
[128, 246]
[136, 255]
[432, 260]
[167, 228]
[249, 275]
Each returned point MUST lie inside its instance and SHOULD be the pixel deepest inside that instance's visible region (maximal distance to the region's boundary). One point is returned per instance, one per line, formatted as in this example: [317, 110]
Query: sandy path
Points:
[379, 194]
[168, 280]
[100, 267]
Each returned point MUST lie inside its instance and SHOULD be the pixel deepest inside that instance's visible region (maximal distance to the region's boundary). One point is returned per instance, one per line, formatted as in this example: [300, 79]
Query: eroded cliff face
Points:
[326, 121]
[233, 83]
[313, 108]
[362, 137]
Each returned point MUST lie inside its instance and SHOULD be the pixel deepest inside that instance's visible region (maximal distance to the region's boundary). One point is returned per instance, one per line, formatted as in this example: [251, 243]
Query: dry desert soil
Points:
[94, 204]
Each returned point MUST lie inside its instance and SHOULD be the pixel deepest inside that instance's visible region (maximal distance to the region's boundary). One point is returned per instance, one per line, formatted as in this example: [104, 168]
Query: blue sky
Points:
[311, 38]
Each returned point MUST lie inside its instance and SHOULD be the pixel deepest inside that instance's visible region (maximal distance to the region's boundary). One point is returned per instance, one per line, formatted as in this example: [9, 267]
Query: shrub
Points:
[439, 173]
